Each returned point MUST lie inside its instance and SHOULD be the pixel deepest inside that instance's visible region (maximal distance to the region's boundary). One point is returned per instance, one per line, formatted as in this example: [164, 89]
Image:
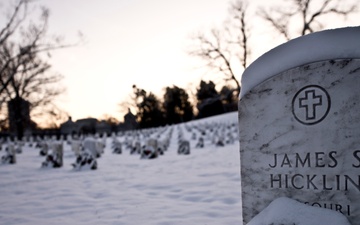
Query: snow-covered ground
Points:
[200, 188]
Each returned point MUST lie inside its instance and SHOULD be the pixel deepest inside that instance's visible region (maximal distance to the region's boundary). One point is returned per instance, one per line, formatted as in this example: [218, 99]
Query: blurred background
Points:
[90, 66]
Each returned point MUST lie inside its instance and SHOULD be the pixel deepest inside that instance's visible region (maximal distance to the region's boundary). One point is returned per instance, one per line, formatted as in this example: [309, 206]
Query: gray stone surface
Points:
[300, 138]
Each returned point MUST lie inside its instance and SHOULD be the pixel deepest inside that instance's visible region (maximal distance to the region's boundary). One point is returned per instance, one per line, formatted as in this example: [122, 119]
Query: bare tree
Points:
[133, 100]
[308, 15]
[24, 74]
[223, 49]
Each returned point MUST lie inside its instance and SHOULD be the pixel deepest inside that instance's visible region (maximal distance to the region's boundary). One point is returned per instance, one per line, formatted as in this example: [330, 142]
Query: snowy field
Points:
[200, 188]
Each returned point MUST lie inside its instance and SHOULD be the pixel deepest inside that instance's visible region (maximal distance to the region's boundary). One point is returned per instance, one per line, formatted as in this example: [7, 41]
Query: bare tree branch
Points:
[238, 12]
[12, 24]
[24, 73]
[219, 48]
[310, 11]
[280, 23]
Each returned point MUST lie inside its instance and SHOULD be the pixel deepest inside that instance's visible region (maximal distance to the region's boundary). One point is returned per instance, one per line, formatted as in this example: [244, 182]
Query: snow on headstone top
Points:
[334, 44]
[288, 211]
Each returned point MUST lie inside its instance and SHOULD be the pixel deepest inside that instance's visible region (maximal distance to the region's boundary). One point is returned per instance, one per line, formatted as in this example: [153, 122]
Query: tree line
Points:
[175, 106]
[25, 47]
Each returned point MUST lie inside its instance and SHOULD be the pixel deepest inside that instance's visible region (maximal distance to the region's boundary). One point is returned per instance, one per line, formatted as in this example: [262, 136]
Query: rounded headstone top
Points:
[341, 43]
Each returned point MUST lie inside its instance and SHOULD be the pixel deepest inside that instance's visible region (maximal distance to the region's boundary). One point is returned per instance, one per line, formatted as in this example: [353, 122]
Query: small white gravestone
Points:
[55, 158]
[116, 145]
[76, 147]
[10, 156]
[150, 150]
[299, 124]
[184, 147]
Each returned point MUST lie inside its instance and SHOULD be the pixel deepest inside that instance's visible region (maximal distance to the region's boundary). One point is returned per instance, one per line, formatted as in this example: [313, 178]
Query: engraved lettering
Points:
[286, 161]
[356, 185]
[332, 157]
[302, 162]
[310, 181]
[356, 155]
[275, 161]
[319, 159]
[293, 181]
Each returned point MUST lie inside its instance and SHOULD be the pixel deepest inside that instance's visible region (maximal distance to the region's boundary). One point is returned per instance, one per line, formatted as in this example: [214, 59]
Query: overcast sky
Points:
[142, 42]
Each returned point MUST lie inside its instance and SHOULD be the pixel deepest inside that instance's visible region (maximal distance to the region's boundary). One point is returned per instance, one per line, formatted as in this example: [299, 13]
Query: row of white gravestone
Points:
[145, 142]
[219, 134]
[52, 151]
[90, 148]
[148, 143]
[183, 144]
[299, 126]
[150, 146]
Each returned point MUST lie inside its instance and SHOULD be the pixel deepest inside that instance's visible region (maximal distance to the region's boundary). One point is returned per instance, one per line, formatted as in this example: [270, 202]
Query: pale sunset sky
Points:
[142, 42]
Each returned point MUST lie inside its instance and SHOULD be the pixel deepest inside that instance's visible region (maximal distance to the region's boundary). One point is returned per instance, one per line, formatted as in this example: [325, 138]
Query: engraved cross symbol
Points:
[309, 102]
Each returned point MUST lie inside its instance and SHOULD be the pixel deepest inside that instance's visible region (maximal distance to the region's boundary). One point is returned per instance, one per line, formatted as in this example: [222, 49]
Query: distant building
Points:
[69, 127]
[92, 125]
[129, 123]
[103, 127]
[84, 126]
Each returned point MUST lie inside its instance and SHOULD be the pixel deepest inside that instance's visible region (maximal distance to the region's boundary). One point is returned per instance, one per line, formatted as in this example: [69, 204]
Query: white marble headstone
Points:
[300, 129]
